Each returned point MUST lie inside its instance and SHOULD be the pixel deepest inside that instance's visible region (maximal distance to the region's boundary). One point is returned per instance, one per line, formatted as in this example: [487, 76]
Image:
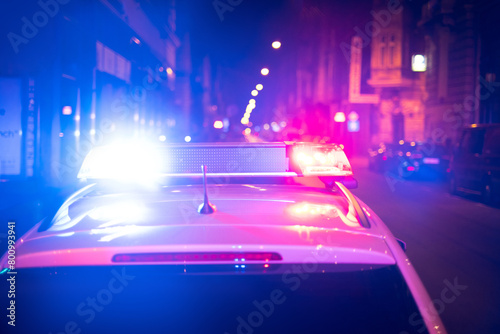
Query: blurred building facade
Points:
[361, 66]
[401, 92]
[318, 89]
[89, 74]
[415, 71]
[462, 50]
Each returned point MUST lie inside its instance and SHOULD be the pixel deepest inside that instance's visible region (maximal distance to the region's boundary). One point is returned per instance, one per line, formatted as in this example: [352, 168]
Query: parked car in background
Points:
[475, 164]
[410, 159]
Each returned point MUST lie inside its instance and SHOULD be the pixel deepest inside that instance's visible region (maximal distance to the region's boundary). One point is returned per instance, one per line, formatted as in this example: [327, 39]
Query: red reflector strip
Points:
[196, 257]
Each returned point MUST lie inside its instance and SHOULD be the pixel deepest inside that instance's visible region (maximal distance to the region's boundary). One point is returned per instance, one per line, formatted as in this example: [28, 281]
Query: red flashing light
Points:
[410, 168]
[353, 116]
[326, 160]
[384, 158]
[197, 257]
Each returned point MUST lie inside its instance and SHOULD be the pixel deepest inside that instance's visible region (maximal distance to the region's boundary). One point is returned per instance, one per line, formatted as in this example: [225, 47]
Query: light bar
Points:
[137, 163]
[198, 257]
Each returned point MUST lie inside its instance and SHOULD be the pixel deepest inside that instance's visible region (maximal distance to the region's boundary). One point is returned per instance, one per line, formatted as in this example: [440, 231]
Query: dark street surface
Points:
[449, 239]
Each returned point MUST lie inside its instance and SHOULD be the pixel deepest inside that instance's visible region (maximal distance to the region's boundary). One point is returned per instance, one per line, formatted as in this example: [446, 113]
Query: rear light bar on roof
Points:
[137, 162]
[197, 257]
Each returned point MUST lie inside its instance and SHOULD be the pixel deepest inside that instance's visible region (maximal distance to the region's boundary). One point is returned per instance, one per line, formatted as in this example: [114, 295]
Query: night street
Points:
[169, 140]
[448, 237]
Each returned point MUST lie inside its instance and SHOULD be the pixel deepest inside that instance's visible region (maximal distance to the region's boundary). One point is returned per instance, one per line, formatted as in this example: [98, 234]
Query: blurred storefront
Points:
[103, 71]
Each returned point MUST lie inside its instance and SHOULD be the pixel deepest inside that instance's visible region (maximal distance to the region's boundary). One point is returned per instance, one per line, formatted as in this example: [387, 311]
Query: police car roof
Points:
[293, 221]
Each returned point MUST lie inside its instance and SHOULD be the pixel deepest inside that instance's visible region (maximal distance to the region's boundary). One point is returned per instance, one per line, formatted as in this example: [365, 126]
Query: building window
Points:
[392, 45]
[383, 50]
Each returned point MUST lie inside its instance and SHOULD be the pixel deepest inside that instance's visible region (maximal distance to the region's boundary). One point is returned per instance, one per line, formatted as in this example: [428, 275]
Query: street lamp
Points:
[259, 87]
[276, 45]
[339, 117]
[264, 71]
[255, 92]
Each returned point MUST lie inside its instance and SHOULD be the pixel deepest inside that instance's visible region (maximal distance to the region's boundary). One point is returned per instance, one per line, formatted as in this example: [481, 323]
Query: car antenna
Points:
[205, 208]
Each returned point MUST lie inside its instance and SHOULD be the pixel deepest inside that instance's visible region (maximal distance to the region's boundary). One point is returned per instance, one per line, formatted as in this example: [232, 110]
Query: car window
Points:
[297, 298]
[492, 145]
[472, 141]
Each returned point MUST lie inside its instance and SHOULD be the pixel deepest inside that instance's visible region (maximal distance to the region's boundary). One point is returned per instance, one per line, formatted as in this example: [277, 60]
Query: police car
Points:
[215, 238]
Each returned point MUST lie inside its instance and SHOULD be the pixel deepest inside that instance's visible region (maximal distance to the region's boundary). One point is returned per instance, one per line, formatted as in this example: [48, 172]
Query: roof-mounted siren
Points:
[328, 162]
[205, 208]
[143, 164]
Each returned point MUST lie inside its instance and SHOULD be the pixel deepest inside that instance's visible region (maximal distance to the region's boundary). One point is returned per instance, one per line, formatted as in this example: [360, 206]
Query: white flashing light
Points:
[187, 139]
[130, 162]
[162, 138]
